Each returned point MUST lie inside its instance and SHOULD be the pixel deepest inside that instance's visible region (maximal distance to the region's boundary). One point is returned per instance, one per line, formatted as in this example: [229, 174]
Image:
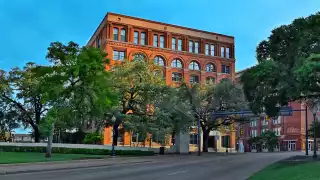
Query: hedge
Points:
[62, 150]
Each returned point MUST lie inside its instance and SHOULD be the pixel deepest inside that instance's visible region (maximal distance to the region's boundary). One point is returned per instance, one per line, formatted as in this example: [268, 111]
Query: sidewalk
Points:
[76, 164]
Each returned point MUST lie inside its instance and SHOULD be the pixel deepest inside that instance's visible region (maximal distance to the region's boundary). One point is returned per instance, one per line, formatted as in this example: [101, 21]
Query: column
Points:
[186, 43]
[150, 37]
[169, 41]
[107, 136]
[233, 139]
[126, 138]
[129, 33]
[202, 46]
[111, 31]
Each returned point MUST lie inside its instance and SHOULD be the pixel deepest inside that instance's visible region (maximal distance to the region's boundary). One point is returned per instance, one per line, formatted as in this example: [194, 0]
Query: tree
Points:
[315, 125]
[8, 121]
[21, 89]
[225, 96]
[144, 94]
[268, 138]
[287, 69]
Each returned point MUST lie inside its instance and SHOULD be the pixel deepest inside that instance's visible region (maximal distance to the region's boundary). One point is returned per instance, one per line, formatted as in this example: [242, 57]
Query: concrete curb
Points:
[70, 168]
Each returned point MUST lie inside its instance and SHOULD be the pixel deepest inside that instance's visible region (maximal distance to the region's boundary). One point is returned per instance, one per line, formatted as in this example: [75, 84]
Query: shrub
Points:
[75, 151]
[93, 138]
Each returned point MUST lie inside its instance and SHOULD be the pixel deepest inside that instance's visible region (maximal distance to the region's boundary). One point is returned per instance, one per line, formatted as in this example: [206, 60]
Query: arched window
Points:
[194, 66]
[176, 63]
[210, 80]
[158, 60]
[176, 77]
[210, 68]
[139, 57]
[194, 79]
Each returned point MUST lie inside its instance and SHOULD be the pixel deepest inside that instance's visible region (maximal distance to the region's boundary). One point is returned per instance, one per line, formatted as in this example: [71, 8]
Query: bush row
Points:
[61, 150]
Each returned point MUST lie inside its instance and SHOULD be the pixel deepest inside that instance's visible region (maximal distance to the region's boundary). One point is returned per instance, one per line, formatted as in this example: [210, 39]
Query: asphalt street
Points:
[179, 167]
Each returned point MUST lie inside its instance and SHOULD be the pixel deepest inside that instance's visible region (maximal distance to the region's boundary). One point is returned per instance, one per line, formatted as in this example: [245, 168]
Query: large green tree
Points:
[22, 90]
[288, 67]
[206, 100]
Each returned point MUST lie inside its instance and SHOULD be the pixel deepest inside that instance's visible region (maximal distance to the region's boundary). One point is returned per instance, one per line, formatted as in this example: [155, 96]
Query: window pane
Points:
[115, 33]
[207, 49]
[159, 61]
[143, 38]
[227, 53]
[136, 37]
[161, 41]
[173, 43]
[155, 40]
[179, 45]
[210, 80]
[212, 50]
[190, 46]
[176, 77]
[194, 66]
[222, 51]
[121, 56]
[139, 57]
[194, 79]
[176, 63]
[115, 55]
[196, 47]
[123, 35]
[98, 43]
[210, 68]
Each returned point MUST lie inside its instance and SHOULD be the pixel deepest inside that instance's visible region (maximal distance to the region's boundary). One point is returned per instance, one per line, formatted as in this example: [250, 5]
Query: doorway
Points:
[292, 145]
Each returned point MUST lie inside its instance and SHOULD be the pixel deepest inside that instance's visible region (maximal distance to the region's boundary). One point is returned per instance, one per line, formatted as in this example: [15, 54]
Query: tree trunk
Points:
[36, 132]
[49, 144]
[205, 138]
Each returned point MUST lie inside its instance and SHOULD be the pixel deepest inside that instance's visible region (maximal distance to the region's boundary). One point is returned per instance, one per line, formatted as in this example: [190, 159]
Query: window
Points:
[253, 133]
[155, 40]
[194, 66]
[176, 77]
[161, 41]
[277, 131]
[212, 50]
[277, 121]
[228, 53]
[123, 35]
[193, 139]
[210, 80]
[118, 55]
[176, 63]
[264, 122]
[179, 45]
[194, 79]
[98, 43]
[191, 46]
[253, 147]
[136, 37]
[225, 69]
[158, 60]
[174, 43]
[225, 141]
[138, 57]
[222, 51]
[143, 38]
[207, 49]
[196, 47]
[158, 73]
[253, 123]
[210, 68]
[115, 33]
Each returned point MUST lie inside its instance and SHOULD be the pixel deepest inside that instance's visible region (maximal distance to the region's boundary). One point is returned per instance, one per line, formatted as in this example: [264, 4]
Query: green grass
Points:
[29, 157]
[289, 170]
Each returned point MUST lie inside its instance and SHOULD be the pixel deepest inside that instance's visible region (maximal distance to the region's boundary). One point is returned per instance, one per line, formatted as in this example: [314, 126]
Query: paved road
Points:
[229, 167]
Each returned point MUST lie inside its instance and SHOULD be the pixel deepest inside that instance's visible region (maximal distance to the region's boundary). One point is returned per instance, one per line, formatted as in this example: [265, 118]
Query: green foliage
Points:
[315, 127]
[288, 67]
[269, 138]
[93, 138]
[75, 151]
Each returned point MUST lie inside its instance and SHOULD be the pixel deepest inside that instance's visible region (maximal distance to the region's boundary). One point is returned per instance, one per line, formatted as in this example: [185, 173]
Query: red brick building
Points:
[290, 129]
[186, 54]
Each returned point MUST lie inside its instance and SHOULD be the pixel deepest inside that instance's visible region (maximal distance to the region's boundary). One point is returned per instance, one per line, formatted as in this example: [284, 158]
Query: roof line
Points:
[141, 19]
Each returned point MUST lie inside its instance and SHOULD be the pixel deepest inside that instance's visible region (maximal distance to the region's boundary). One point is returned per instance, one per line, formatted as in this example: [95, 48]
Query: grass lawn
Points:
[27, 157]
[293, 171]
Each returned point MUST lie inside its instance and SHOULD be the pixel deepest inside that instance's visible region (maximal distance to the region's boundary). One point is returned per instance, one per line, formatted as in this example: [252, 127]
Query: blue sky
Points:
[28, 26]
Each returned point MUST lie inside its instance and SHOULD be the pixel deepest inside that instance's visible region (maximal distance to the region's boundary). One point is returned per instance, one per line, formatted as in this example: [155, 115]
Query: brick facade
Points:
[159, 41]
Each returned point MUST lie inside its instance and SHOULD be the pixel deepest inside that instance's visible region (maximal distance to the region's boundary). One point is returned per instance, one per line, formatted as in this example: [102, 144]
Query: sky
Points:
[28, 26]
